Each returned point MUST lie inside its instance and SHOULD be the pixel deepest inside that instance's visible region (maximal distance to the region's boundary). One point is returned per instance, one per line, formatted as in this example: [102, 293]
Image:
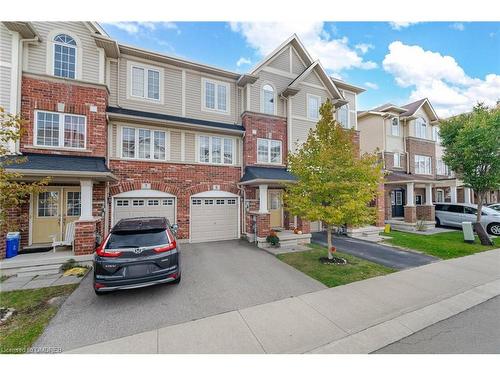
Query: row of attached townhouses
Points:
[126, 132]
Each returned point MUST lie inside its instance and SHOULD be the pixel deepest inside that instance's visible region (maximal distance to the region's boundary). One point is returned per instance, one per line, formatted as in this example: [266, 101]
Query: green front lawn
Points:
[333, 275]
[33, 313]
[442, 245]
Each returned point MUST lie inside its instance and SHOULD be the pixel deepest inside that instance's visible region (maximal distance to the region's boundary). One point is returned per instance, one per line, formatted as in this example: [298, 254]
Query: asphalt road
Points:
[473, 331]
[384, 255]
[216, 277]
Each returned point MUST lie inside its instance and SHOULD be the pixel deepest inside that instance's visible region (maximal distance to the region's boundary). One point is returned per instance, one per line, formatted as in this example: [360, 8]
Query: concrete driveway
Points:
[385, 255]
[216, 277]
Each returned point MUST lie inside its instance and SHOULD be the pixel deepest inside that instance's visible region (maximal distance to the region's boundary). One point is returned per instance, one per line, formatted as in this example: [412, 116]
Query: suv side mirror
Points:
[174, 228]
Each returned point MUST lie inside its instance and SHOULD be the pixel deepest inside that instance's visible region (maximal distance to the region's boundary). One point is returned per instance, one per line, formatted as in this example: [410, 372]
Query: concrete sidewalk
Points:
[359, 317]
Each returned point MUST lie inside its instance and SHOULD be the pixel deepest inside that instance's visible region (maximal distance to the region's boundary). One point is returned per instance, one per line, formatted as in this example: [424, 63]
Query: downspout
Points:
[383, 141]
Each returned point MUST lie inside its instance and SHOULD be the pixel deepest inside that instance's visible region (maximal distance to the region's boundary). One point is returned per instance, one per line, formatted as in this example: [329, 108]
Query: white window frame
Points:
[136, 141]
[419, 197]
[420, 125]
[49, 59]
[427, 160]
[130, 67]
[61, 131]
[262, 103]
[75, 47]
[210, 142]
[435, 133]
[216, 83]
[395, 129]
[337, 116]
[312, 96]
[438, 192]
[397, 157]
[269, 141]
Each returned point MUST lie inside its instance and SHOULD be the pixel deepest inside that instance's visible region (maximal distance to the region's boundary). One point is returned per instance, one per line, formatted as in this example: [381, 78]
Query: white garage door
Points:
[144, 207]
[214, 218]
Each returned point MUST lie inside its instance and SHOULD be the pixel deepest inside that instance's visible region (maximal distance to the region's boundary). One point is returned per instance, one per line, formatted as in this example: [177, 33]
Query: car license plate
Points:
[138, 270]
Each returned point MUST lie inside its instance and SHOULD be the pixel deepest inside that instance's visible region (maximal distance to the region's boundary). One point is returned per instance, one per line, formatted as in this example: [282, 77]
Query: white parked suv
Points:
[454, 214]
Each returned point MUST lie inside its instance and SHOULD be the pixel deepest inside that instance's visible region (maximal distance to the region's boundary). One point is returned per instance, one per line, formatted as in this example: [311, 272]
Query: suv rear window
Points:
[132, 239]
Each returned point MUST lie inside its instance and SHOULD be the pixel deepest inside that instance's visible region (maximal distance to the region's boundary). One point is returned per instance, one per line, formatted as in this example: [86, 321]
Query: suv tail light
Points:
[102, 252]
[171, 246]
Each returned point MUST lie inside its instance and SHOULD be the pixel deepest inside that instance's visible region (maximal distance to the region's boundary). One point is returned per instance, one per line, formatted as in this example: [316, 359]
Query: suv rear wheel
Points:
[494, 229]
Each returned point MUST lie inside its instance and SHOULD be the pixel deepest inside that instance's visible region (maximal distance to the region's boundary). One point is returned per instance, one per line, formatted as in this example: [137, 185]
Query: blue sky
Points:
[454, 64]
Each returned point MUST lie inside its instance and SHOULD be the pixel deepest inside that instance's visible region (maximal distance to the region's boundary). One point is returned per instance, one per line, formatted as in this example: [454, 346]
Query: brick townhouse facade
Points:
[126, 132]
[407, 138]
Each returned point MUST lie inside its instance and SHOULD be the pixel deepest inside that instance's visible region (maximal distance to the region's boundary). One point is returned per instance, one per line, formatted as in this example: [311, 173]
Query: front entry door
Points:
[53, 210]
[397, 201]
[275, 208]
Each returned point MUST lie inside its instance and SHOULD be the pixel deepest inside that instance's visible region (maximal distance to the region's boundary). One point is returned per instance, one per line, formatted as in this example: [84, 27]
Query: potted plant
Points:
[273, 239]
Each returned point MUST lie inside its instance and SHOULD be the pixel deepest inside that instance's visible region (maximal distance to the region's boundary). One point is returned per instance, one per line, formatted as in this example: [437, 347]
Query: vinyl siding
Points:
[312, 78]
[175, 143]
[279, 82]
[282, 61]
[371, 133]
[113, 83]
[5, 70]
[297, 66]
[300, 130]
[37, 54]
[299, 106]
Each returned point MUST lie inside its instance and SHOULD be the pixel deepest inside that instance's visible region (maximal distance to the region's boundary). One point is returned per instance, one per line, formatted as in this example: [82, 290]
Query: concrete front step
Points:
[49, 269]
[40, 263]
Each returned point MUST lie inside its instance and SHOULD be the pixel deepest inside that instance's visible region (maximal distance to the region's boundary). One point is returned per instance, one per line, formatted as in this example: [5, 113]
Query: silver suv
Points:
[453, 214]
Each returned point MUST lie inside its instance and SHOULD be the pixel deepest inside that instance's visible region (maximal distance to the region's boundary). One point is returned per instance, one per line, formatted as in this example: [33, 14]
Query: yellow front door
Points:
[52, 210]
[47, 216]
[275, 208]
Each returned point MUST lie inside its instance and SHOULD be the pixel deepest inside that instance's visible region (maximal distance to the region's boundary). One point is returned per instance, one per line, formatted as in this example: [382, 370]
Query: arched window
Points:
[268, 99]
[64, 56]
[420, 128]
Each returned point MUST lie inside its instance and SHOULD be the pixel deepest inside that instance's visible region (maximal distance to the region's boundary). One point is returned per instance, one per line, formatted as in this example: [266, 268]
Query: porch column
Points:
[263, 199]
[86, 200]
[467, 195]
[453, 193]
[410, 198]
[428, 194]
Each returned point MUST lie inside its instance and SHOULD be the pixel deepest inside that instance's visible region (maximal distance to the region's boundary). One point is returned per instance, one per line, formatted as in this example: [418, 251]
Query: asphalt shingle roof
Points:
[57, 163]
[412, 107]
[267, 173]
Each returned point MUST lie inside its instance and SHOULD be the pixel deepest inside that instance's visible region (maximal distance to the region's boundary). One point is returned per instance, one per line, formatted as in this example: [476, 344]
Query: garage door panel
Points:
[211, 221]
[144, 207]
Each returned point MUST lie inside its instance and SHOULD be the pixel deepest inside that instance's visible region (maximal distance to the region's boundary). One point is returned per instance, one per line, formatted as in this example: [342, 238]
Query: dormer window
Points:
[395, 126]
[64, 56]
[268, 102]
[420, 128]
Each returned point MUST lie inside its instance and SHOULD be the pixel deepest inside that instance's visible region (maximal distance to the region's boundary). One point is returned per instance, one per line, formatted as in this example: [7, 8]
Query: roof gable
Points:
[412, 108]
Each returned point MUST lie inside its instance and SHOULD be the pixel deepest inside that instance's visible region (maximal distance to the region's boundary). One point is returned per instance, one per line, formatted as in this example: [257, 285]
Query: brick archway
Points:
[123, 187]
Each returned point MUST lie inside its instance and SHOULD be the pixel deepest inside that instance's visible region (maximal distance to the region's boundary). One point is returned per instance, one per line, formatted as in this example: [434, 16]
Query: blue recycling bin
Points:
[12, 244]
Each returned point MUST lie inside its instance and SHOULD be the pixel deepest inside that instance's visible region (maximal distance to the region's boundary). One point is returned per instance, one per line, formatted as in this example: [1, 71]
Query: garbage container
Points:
[12, 244]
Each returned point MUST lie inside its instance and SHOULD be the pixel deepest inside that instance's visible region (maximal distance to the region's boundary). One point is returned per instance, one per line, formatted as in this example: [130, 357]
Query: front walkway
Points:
[355, 318]
[380, 254]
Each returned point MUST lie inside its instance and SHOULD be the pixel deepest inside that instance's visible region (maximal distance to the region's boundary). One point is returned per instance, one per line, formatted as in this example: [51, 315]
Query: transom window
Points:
[215, 95]
[313, 104]
[145, 83]
[420, 128]
[48, 204]
[138, 143]
[395, 126]
[343, 116]
[268, 105]
[73, 203]
[60, 130]
[268, 151]
[215, 150]
[64, 56]
[423, 164]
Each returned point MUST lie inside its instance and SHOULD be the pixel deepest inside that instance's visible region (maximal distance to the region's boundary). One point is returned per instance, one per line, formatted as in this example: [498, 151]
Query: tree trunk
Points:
[329, 241]
[478, 227]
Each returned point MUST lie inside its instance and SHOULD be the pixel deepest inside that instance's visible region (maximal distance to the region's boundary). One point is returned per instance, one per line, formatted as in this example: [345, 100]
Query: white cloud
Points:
[364, 47]
[439, 78]
[134, 28]
[371, 85]
[401, 25]
[335, 54]
[242, 61]
[458, 26]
